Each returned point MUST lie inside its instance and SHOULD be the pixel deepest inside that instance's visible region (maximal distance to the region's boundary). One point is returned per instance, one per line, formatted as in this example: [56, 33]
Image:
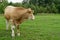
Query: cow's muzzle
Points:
[33, 17]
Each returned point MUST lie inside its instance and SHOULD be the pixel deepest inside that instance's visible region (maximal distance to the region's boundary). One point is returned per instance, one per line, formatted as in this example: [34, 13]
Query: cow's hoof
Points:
[18, 34]
[13, 35]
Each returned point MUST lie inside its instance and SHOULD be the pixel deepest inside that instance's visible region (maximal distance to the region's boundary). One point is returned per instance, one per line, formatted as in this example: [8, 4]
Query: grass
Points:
[44, 27]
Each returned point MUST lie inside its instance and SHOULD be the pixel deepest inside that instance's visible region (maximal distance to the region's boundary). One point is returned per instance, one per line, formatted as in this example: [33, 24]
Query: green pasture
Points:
[44, 27]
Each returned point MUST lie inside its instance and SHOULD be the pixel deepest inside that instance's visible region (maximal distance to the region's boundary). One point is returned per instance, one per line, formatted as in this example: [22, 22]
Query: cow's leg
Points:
[12, 28]
[7, 24]
[18, 31]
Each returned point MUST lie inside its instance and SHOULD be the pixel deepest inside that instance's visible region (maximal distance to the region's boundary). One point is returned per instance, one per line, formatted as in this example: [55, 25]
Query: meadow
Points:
[44, 27]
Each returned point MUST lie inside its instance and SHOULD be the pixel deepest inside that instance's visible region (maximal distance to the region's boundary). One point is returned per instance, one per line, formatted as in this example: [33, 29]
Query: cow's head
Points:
[30, 14]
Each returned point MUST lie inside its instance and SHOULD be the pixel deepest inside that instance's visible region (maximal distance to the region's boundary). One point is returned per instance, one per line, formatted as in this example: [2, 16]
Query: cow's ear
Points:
[29, 10]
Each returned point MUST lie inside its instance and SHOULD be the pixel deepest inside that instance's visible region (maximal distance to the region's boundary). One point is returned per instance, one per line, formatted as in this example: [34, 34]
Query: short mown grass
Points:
[44, 27]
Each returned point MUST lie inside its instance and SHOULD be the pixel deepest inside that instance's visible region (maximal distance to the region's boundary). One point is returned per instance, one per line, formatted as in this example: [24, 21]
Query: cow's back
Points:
[14, 12]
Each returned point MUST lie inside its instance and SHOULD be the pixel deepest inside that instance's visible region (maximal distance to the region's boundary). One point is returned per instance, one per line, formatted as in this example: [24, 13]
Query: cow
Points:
[16, 15]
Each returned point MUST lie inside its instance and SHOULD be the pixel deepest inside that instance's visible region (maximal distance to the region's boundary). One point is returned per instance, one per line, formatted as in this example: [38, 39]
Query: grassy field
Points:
[44, 27]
